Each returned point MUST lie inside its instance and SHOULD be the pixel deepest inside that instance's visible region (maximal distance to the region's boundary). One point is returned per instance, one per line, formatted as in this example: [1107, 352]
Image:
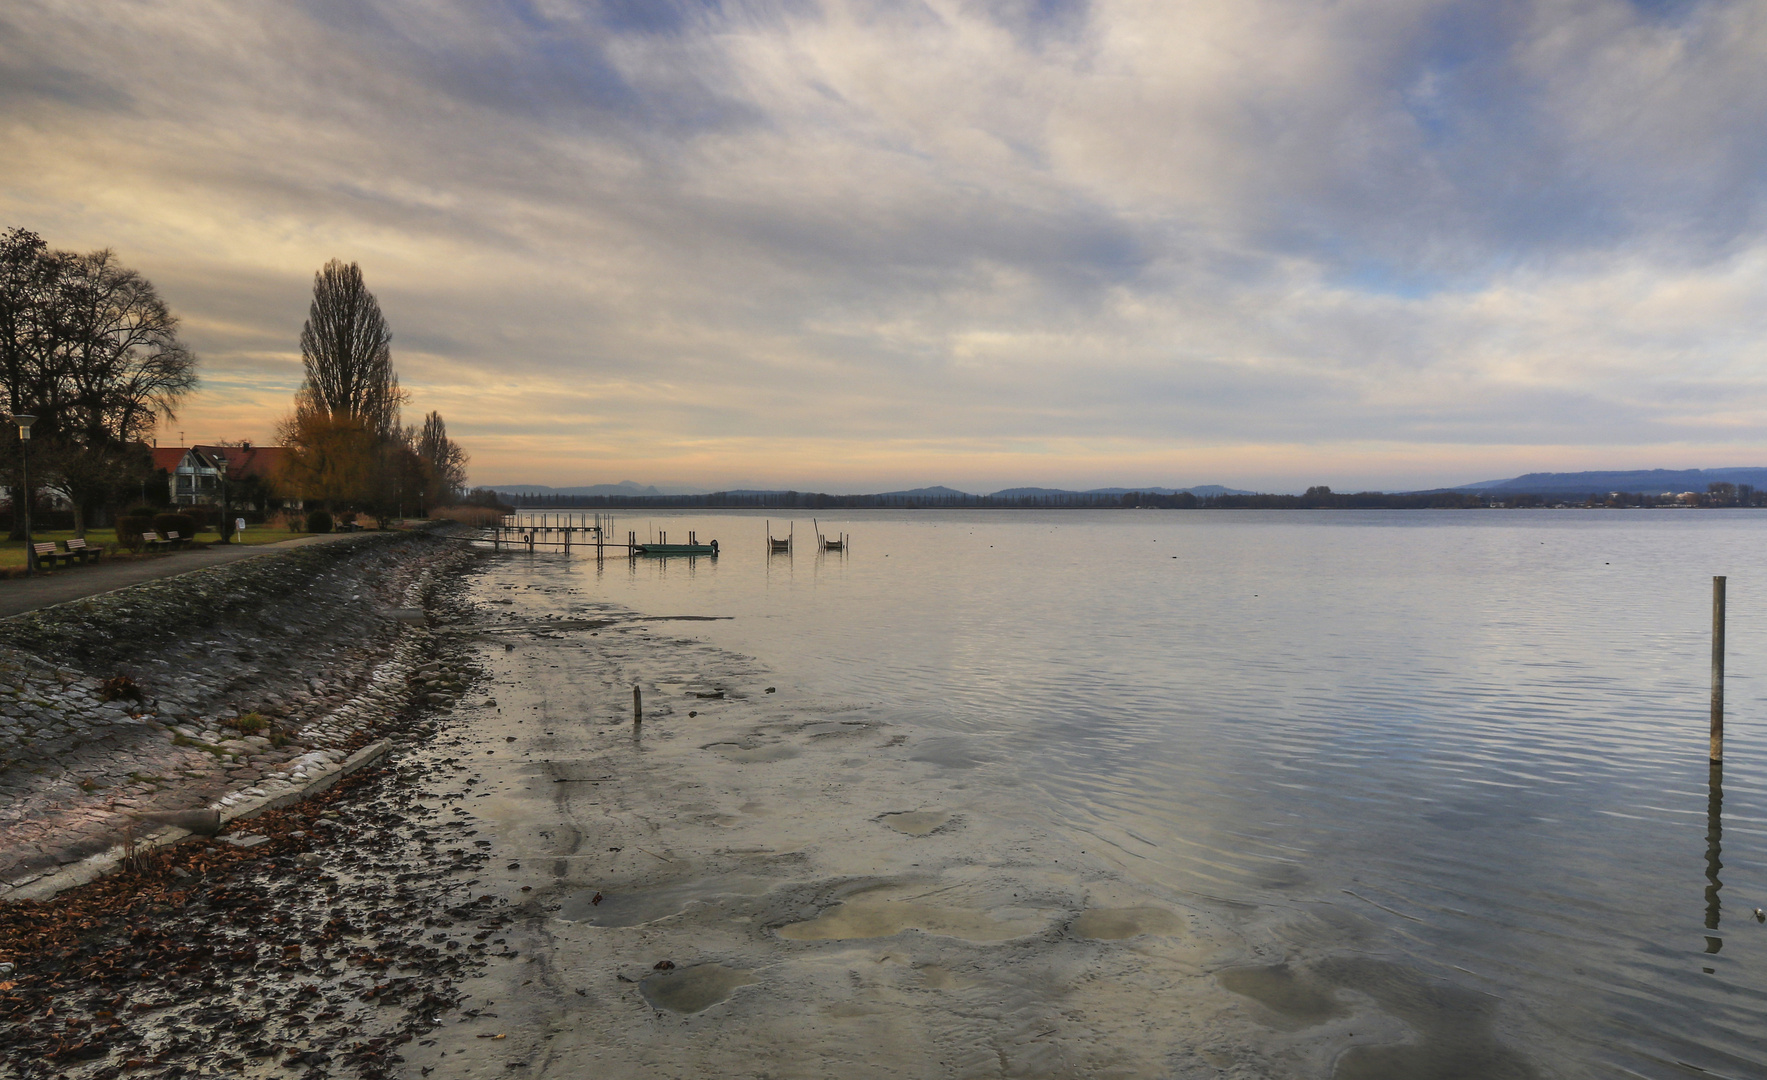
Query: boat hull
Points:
[710, 550]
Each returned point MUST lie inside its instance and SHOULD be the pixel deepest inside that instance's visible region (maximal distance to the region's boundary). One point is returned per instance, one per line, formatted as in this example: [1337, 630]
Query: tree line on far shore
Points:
[88, 347]
[1315, 498]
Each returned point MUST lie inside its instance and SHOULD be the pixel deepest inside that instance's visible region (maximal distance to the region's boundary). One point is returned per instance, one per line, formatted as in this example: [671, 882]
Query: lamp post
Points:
[221, 467]
[24, 423]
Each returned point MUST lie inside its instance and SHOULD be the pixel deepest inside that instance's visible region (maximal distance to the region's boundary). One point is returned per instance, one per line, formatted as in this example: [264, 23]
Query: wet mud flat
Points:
[761, 881]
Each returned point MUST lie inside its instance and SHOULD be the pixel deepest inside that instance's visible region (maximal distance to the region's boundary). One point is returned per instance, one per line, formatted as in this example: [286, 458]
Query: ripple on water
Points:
[886, 910]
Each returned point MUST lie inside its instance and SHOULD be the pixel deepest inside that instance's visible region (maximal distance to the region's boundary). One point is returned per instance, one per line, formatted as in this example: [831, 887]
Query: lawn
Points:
[12, 552]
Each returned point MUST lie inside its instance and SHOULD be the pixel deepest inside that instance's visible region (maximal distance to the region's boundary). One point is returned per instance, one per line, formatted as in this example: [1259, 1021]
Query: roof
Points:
[168, 457]
[247, 460]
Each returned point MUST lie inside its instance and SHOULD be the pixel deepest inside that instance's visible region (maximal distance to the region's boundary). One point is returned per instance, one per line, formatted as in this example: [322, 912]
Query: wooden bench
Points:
[48, 556]
[78, 548]
[175, 540]
[152, 541]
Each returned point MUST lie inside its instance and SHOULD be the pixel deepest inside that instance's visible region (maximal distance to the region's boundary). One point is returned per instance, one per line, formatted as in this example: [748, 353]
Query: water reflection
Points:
[1714, 848]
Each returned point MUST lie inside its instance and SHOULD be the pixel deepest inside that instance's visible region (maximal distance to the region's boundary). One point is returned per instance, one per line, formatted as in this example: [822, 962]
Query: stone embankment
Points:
[226, 684]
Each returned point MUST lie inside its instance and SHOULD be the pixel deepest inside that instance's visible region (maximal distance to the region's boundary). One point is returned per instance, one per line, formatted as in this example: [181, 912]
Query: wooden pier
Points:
[584, 532]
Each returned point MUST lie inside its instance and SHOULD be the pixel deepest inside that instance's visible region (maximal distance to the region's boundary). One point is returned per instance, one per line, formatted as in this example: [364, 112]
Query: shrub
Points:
[182, 524]
[476, 516]
[119, 688]
[319, 521]
[131, 526]
[250, 724]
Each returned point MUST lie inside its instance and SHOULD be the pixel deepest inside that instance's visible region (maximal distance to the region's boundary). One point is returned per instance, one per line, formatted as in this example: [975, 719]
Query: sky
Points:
[846, 245]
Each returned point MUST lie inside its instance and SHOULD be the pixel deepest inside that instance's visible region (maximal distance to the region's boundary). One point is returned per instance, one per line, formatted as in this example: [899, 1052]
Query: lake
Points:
[1472, 743]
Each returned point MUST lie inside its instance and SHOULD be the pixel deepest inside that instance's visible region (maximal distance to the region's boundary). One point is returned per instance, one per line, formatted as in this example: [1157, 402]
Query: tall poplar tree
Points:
[346, 349]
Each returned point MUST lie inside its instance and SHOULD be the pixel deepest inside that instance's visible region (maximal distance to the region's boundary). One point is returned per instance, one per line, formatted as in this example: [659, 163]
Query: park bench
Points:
[175, 540]
[77, 548]
[48, 556]
[152, 541]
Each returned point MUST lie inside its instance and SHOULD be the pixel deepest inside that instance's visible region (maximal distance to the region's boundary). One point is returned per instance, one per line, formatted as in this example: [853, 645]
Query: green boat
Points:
[710, 549]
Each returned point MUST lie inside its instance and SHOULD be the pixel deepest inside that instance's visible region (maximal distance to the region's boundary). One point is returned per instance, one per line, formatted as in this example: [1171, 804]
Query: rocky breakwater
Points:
[225, 684]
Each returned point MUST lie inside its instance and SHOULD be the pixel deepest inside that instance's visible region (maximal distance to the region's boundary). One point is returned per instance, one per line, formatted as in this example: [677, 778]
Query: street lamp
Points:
[24, 423]
[221, 467]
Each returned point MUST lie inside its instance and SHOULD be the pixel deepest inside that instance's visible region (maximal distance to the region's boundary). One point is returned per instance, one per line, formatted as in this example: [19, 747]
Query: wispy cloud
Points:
[972, 241]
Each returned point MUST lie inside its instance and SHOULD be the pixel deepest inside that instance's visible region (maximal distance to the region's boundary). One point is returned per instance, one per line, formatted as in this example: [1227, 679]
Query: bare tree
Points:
[90, 349]
[346, 348]
[126, 368]
[446, 460]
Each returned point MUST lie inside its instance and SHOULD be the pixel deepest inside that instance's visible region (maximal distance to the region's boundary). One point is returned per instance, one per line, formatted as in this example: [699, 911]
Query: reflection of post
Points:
[1717, 669]
[1714, 848]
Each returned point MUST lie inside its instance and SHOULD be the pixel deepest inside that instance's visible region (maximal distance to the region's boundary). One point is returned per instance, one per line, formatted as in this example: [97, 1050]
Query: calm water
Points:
[1479, 737]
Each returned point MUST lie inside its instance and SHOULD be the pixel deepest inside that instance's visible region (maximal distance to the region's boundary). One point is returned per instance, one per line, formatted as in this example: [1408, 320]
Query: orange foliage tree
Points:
[333, 460]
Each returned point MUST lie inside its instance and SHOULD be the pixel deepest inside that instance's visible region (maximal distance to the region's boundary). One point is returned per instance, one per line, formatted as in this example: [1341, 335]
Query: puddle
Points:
[747, 755]
[1279, 988]
[636, 908]
[889, 910]
[1115, 924]
[690, 990]
[917, 822]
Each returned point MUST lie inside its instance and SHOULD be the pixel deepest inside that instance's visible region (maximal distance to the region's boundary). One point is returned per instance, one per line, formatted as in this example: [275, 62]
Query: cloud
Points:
[786, 241]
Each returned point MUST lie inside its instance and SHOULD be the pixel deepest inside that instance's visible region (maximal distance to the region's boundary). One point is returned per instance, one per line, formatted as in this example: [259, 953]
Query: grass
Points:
[12, 552]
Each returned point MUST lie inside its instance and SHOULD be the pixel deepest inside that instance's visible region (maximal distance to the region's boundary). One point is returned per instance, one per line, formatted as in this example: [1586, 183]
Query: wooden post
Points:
[1717, 669]
[637, 705]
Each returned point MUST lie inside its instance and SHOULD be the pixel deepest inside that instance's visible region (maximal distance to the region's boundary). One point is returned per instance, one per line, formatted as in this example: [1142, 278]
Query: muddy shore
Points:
[757, 881]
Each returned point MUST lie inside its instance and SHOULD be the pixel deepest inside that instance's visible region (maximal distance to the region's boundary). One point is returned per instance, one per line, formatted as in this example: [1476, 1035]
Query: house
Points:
[192, 475]
[195, 475]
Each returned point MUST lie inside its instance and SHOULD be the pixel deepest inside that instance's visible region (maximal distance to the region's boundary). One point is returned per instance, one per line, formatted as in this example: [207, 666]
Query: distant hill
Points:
[1200, 490]
[940, 492]
[624, 487]
[1641, 481]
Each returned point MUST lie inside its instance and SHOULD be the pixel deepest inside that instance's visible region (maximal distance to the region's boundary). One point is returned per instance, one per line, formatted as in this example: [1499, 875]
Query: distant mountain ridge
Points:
[1642, 481]
[631, 489]
[1200, 490]
[624, 487]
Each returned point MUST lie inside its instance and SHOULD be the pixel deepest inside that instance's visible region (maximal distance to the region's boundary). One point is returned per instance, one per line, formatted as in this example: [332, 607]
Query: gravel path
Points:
[18, 595]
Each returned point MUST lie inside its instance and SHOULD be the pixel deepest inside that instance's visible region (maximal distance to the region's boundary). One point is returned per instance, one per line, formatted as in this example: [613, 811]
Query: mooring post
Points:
[1717, 669]
[637, 705]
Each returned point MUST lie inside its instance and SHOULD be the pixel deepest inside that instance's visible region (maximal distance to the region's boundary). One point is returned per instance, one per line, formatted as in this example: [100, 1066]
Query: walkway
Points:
[18, 595]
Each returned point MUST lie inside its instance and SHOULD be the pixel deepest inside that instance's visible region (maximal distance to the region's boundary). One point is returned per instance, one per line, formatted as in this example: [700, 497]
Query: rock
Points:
[246, 841]
[200, 822]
